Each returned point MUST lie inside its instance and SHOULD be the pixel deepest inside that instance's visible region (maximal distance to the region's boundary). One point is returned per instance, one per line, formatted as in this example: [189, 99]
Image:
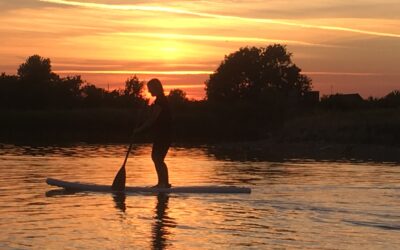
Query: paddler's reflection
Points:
[162, 223]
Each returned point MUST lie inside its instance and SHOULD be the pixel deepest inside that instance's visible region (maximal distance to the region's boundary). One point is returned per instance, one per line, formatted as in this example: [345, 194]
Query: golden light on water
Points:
[291, 205]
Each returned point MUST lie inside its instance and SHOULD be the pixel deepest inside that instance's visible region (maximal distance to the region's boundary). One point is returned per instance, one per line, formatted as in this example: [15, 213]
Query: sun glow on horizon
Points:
[175, 36]
[183, 42]
[145, 72]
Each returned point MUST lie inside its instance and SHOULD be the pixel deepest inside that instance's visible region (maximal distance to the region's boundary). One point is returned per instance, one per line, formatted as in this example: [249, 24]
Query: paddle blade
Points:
[119, 180]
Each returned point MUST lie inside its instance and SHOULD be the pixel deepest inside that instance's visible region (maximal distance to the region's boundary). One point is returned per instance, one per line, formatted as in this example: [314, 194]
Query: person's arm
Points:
[156, 110]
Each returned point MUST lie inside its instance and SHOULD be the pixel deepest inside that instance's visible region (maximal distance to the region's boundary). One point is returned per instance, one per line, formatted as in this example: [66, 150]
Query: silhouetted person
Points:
[160, 124]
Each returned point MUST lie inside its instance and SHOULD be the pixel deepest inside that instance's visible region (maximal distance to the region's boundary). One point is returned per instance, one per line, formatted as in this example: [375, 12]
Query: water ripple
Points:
[292, 204]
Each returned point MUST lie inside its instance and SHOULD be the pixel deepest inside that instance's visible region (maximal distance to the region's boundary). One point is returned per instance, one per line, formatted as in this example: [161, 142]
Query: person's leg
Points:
[158, 154]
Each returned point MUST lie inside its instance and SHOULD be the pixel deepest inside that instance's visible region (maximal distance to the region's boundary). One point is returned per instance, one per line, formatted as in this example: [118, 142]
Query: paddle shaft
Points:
[128, 152]
[119, 180]
[132, 139]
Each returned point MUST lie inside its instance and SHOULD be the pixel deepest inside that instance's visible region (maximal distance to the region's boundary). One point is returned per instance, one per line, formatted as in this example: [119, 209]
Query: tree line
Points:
[259, 75]
[264, 77]
[252, 94]
[36, 86]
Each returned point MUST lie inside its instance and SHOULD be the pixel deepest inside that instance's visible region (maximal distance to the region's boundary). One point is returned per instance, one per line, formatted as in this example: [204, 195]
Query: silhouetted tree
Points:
[92, 96]
[35, 80]
[114, 98]
[134, 87]
[133, 91]
[39, 87]
[177, 97]
[257, 74]
[8, 90]
[36, 70]
[66, 92]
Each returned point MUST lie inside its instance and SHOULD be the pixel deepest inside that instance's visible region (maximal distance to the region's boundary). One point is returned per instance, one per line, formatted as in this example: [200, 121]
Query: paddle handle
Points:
[127, 153]
[139, 114]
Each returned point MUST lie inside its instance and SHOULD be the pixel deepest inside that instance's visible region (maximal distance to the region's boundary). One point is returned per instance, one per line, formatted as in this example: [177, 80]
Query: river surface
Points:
[301, 204]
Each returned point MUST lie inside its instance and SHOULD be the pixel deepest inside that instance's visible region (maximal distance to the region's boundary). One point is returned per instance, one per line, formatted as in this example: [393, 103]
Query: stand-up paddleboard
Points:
[78, 186]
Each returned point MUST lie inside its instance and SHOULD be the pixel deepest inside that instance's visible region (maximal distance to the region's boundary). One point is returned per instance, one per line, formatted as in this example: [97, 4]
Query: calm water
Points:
[294, 204]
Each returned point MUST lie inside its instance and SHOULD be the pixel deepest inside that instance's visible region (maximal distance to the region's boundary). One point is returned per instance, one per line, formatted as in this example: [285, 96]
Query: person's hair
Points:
[156, 85]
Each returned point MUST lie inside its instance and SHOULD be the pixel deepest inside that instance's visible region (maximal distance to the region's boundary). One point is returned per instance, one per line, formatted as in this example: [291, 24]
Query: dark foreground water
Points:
[294, 204]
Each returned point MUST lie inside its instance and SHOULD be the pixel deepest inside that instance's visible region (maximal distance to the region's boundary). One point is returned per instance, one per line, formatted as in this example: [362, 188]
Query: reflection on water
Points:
[119, 199]
[162, 223]
[293, 204]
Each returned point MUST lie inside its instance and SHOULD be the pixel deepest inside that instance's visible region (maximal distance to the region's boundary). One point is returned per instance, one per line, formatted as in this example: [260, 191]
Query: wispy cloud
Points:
[140, 72]
[217, 16]
[327, 73]
[202, 72]
[7, 5]
[184, 86]
[217, 38]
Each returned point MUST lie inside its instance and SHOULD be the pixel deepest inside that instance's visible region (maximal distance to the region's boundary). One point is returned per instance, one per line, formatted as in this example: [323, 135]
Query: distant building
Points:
[345, 101]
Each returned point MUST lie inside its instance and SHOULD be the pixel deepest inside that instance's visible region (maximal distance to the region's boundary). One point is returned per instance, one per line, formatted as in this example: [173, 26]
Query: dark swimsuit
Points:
[162, 126]
[161, 130]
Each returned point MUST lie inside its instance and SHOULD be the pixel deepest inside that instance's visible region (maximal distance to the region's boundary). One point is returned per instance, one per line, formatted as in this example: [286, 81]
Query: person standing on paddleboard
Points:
[159, 123]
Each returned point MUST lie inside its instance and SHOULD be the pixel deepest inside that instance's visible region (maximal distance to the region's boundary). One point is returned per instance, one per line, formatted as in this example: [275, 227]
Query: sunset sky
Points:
[344, 46]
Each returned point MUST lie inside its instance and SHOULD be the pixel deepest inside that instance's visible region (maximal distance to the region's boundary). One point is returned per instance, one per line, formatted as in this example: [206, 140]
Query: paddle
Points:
[120, 178]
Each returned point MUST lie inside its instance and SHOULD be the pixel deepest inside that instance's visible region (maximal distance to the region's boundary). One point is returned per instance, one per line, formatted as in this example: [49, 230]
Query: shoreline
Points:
[266, 150]
[269, 150]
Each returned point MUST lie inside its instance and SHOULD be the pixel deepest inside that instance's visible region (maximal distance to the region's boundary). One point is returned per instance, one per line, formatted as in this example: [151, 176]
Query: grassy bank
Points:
[267, 150]
[90, 125]
[205, 124]
[364, 126]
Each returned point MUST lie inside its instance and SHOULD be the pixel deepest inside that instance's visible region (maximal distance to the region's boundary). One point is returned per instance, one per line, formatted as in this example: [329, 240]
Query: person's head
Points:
[155, 87]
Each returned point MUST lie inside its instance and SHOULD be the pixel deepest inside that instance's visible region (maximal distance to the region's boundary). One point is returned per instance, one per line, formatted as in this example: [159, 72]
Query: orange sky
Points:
[344, 46]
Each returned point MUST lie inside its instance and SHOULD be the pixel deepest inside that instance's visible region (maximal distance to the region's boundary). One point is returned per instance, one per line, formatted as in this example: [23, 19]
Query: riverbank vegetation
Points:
[254, 94]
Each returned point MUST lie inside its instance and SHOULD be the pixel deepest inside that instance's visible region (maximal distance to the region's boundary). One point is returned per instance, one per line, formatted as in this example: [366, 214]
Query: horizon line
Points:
[203, 72]
[139, 72]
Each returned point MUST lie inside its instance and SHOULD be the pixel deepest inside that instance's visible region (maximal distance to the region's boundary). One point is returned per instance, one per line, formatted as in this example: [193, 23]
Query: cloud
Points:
[141, 72]
[217, 38]
[218, 16]
[9, 5]
[289, 9]
[367, 74]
